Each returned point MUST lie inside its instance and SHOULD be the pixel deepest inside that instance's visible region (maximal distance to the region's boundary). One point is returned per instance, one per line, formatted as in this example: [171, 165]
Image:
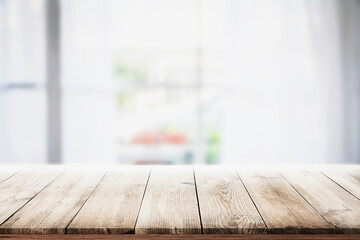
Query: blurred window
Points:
[22, 94]
[140, 81]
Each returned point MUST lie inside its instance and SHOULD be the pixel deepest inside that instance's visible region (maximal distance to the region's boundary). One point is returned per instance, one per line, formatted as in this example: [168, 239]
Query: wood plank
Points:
[335, 204]
[347, 177]
[22, 187]
[189, 237]
[282, 208]
[169, 205]
[52, 209]
[115, 204]
[225, 205]
[7, 171]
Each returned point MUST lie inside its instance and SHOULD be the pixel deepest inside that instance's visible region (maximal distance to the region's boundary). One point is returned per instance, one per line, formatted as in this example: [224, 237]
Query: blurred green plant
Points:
[128, 73]
[121, 98]
[213, 147]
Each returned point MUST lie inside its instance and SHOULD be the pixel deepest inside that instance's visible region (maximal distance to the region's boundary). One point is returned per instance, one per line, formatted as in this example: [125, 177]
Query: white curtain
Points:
[22, 80]
[285, 97]
[88, 100]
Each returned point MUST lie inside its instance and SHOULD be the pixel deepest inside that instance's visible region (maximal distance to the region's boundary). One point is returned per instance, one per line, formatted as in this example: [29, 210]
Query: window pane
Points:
[22, 73]
[134, 91]
[22, 126]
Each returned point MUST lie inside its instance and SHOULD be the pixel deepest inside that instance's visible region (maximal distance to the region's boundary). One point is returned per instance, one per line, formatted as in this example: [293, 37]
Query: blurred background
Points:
[179, 82]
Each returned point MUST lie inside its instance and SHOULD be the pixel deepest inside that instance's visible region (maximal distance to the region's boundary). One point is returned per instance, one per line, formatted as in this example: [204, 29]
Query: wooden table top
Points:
[180, 200]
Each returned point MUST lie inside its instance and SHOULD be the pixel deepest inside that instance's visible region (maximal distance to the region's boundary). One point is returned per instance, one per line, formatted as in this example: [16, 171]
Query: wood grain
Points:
[53, 208]
[225, 206]
[114, 205]
[189, 237]
[282, 208]
[347, 177]
[8, 171]
[169, 205]
[86, 200]
[336, 205]
[16, 191]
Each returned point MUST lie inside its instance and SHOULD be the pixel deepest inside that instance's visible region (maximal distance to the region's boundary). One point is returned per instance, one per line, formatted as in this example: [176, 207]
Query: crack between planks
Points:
[198, 202]
[20, 170]
[147, 183]
[267, 228]
[61, 173]
[339, 184]
[334, 227]
[66, 228]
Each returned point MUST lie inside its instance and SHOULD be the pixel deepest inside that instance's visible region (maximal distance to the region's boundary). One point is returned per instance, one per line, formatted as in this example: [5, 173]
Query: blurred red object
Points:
[147, 138]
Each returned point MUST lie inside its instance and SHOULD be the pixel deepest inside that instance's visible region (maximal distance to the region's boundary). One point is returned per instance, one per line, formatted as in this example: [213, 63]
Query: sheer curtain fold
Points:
[286, 61]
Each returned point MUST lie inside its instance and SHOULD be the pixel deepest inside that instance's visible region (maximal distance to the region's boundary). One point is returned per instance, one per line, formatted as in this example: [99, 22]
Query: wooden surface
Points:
[118, 198]
[282, 208]
[333, 202]
[346, 177]
[18, 190]
[225, 205]
[170, 205]
[220, 202]
[54, 207]
[8, 171]
[188, 237]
